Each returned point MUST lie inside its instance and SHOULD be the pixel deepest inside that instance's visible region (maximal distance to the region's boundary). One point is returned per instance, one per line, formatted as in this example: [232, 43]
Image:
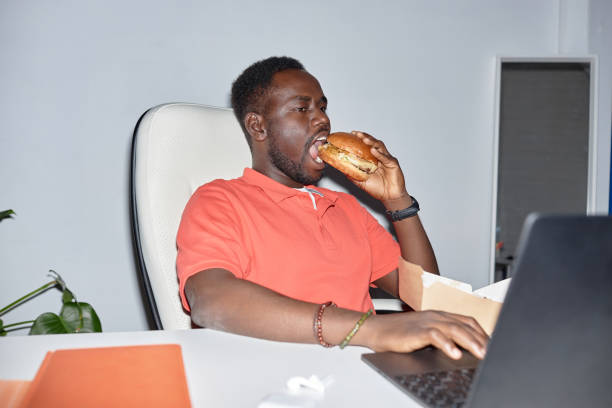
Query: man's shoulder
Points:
[218, 190]
[218, 185]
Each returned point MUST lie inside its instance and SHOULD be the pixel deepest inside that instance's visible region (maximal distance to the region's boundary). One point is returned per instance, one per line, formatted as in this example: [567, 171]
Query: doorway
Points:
[542, 147]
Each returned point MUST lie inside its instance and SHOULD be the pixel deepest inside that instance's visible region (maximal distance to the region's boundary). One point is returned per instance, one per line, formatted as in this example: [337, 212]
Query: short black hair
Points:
[249, 88]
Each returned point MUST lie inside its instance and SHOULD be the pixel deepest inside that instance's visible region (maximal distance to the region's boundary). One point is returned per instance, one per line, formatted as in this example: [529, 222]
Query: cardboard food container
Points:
[422, 290]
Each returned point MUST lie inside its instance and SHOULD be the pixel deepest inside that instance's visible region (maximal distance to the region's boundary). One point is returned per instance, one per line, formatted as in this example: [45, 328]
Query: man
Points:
[266, 254]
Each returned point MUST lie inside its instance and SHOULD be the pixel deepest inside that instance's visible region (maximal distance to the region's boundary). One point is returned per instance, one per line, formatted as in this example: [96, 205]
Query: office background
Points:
[75, 77]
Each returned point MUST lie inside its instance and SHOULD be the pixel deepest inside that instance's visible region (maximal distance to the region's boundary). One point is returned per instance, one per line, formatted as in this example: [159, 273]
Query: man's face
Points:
[297, 124]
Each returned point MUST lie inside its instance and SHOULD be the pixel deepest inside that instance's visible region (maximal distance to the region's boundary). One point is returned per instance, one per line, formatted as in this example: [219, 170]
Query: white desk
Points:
[226, 370]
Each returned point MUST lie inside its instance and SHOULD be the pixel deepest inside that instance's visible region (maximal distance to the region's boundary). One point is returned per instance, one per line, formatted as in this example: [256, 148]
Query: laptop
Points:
[552, 345]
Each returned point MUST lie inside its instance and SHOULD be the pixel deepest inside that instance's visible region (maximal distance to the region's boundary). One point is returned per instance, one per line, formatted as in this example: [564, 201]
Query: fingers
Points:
[460, 330]
[410, 331]
[387, 182]
[441, 341]
[371, 141]
[472, 323]
[378, 148]
[468, 340]
[366, 137]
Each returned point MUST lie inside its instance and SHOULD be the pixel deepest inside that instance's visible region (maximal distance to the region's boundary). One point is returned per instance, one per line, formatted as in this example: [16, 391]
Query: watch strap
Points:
[407, 212]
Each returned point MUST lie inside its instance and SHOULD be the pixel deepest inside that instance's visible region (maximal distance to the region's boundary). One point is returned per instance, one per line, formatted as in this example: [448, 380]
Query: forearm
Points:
[220, 301]
[414, 243]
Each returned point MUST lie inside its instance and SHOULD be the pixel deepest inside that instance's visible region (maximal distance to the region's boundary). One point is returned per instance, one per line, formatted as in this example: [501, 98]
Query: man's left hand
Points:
[387, 182]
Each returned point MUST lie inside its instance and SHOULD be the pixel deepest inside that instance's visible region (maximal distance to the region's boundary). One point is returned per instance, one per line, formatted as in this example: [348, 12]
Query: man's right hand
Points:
[410, 331]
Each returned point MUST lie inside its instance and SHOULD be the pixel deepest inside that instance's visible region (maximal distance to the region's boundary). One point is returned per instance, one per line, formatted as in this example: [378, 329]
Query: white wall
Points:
[75, 76]
[600, 44]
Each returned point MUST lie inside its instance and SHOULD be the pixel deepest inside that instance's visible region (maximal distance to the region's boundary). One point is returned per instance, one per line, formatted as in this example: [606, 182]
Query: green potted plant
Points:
[74, 316]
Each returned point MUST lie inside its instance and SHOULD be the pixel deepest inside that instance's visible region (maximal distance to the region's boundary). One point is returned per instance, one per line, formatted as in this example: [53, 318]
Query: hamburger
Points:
[348, 154]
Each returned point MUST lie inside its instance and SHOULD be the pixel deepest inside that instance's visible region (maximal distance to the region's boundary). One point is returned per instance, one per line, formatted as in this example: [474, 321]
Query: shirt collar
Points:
[277, 191]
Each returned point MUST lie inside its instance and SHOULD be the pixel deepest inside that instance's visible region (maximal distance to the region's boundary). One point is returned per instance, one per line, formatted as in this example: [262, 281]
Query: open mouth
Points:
[314, 148]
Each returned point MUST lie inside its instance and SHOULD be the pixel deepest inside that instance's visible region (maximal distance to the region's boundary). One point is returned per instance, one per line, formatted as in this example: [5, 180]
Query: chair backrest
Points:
[176, 148]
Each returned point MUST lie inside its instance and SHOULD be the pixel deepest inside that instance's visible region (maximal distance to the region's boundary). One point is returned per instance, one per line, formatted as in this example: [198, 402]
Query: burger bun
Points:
[349, 154]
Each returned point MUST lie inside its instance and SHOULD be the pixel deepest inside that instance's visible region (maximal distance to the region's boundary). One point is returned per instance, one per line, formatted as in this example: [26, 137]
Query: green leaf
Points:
[71, 315]
[81, 318]
[91, 321]
[2, 331]
[6, 214]
[49, 323]
[67, 296]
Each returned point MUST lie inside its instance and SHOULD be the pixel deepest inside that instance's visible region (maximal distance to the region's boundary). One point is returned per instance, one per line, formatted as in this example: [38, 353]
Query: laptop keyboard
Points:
[439, 389]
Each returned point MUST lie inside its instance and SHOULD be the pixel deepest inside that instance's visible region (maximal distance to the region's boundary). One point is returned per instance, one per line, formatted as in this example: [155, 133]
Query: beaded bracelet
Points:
[317, 327]
[349, 336]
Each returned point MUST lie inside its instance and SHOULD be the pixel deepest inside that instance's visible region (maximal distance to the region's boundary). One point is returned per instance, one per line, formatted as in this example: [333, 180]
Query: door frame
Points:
[592, 61]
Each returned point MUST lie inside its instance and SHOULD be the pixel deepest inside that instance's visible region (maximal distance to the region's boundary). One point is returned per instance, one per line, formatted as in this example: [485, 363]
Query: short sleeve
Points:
[208, 237]
[385, 249]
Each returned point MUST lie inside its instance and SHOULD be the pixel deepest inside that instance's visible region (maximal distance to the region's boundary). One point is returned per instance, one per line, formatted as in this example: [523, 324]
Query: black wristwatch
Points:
[404, 213]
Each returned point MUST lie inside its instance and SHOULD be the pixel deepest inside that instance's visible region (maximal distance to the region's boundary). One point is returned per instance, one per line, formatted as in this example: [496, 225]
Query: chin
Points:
[313, 179]
[306, 176]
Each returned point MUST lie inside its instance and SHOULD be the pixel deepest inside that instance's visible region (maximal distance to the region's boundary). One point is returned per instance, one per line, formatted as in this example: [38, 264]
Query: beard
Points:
[295, 170]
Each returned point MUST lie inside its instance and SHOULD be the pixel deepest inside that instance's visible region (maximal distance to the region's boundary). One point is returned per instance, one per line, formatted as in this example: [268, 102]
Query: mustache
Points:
[322, 129]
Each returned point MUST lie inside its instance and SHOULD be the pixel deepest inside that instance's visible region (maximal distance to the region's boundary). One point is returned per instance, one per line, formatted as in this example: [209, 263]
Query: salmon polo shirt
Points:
[315, 247]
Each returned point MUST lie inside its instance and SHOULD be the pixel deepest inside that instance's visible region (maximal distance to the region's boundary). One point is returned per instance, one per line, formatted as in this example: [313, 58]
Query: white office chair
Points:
[176, 148]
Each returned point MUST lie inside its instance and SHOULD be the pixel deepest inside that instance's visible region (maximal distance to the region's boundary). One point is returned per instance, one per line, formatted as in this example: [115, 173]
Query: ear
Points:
[255, 126]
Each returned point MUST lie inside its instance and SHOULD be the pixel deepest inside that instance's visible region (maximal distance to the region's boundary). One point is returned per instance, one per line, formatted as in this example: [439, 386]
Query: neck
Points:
[276, 175]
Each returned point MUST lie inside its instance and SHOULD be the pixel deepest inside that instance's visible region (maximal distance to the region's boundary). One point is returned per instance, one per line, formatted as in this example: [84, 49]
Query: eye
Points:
[301, 109]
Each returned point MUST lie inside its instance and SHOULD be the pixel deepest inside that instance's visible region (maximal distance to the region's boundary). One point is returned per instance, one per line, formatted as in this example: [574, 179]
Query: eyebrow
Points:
[323, 99]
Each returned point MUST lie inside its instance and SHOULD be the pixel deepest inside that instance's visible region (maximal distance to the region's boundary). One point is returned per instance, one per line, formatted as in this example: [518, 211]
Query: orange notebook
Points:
[12, 392]
[132, 376]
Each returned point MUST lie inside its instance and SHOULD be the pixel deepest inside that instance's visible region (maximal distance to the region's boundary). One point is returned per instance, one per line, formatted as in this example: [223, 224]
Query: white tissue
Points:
[301, 392]
[313, 383]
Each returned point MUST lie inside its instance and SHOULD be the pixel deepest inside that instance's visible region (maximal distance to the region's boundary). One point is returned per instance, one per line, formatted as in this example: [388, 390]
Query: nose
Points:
[320, 118]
